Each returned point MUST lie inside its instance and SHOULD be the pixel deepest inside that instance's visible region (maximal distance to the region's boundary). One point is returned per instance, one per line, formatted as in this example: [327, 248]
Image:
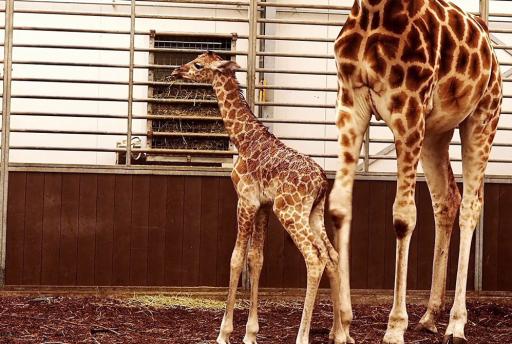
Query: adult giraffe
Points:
[424, 67]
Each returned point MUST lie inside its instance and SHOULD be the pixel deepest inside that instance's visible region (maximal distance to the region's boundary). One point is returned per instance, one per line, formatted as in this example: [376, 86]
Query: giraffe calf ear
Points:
[224, 66]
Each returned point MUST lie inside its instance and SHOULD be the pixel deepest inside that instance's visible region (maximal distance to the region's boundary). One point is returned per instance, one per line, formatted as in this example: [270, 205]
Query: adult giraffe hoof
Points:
[426, 327]
[332, 341]
[222, 341]
[450, 339]
[393, 337]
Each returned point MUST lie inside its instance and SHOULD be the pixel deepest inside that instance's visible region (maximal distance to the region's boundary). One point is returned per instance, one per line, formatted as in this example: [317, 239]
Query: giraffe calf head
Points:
[204, 67]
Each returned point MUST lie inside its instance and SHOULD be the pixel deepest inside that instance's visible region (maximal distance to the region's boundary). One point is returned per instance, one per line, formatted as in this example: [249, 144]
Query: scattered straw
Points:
[178, 301]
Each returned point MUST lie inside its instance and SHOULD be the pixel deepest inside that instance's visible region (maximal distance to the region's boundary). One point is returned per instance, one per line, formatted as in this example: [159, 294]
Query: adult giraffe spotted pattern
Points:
[268, 175]
[424, 67]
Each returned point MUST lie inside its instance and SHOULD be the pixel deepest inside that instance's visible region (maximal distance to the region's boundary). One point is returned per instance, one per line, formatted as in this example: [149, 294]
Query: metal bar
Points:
[215, 19]
[6, 109]
[484, 10]
[294, 71]
[505, 15]
[75, 132]
[79, 81]
[56, 114]
[115, 3]
[127, 15]
[128, 159]
[279, 54]
[295, 5]
[204, 2]
[367, 150]
[251, 56]
[501, 31]
[61, 29]
[184, 134]
[73, 64]
[305, 22]
[296, 38]
[324, 106]
[74, 13]
[297, 88]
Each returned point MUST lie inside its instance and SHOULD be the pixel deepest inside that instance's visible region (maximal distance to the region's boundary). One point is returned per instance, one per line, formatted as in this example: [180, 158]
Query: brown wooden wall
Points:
[497, 244]
[147, 230]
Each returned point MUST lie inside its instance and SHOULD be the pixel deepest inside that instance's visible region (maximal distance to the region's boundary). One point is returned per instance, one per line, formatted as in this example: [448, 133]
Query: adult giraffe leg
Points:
[295, 219]
[408, 149]
[445, 202]
[255, 260]
[352, 123]
[246, 214]
[477, 133]
[337, 335]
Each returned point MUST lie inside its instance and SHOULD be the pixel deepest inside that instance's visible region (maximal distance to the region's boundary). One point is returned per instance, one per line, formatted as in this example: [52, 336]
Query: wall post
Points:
[6, 113]
[130, 86]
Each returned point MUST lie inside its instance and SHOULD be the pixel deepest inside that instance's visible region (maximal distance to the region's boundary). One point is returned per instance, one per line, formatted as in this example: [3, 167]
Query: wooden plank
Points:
[122, 230]
[226, 236]
[191, 232]
[139, 231]
[51, 228]
[491, 237]
[87, 229]
[390, 246]
[359, 249]
[295, 274]
[274, 257]
[425, 232]
[15, 228]
[412, 271]
[453, 260]
[377, 235]
[324, 282]
[33, 229]
[69, 229]
[104, 230]
[209, 229]
[156, 236]
[505, 239]
[174, 230]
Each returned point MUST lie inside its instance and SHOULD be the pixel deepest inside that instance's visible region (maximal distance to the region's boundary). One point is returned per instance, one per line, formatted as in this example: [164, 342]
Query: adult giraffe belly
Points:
[447, 115]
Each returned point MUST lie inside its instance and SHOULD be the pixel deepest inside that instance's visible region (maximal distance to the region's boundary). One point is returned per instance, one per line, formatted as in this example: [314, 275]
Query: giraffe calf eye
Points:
[198, 65]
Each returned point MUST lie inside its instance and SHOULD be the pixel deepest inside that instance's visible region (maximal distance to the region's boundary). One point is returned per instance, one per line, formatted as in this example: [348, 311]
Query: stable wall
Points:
[87, 229]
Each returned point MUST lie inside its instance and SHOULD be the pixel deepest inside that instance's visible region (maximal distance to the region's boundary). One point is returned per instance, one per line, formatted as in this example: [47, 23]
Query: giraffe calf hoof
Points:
[426, 327]
[450, 339]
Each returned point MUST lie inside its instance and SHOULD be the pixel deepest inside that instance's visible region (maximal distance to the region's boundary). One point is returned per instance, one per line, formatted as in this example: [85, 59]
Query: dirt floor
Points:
[159, 319]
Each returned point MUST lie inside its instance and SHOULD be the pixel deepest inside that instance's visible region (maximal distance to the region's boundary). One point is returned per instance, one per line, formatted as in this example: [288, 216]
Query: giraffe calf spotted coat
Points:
[269, 175]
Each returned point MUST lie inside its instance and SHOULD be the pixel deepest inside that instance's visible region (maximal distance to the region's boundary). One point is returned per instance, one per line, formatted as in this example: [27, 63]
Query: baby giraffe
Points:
[269, 175]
